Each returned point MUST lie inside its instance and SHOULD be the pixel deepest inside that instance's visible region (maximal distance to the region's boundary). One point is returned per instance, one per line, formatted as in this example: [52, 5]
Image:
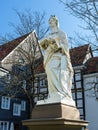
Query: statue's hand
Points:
[49, 42]
[44, 44]
[53, 45]
[52, 41]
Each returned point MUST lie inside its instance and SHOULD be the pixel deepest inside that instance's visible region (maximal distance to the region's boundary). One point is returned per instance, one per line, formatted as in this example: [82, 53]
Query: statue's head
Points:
[54, 19]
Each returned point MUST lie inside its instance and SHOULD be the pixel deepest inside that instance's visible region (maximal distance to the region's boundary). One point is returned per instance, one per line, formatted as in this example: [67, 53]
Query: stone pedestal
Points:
[56, 110]
[55, 116]
[54, 124]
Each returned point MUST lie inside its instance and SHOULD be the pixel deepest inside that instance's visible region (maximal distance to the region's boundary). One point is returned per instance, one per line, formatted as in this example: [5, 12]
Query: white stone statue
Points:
[57, 65]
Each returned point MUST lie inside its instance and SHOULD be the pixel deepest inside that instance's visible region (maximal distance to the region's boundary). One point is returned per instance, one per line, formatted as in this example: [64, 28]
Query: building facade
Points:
[12, 110]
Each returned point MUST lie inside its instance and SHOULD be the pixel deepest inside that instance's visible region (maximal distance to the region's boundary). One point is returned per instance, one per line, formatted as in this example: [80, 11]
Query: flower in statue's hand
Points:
[53, 45]
[52, 41]
[44, 44]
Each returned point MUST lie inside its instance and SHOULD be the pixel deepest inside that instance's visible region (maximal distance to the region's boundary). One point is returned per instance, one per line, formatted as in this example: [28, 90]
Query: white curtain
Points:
[12, 126]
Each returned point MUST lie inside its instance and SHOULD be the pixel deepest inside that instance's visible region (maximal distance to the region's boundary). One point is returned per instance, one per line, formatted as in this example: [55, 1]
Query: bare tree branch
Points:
[28, 21]
[87, 11]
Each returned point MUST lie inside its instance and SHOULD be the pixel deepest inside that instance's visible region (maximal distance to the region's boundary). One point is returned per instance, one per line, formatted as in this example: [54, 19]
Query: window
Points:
[73, 86]
[8, 78]
[43, 90]
[21, 61]
[35, 99]
[4, 125]
[78, 76]
[73, 95]
[96, 91]
[79, 95]
[78, 84]
[43, 82]
[23, 105]
[79, 103]
[72, 80]
[16, 109]
[24, 84]
[5, 104]
[12, 126]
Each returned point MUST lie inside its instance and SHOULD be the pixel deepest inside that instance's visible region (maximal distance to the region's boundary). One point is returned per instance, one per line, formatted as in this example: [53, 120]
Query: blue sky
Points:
[67, 22]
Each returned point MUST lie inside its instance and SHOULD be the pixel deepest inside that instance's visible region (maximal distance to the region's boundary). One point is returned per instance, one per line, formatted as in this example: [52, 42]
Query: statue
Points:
[57, 64]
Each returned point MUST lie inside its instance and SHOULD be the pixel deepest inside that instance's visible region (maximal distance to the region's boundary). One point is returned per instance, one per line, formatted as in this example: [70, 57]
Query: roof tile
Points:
[5, 49]
[78, 54]
[92, 65]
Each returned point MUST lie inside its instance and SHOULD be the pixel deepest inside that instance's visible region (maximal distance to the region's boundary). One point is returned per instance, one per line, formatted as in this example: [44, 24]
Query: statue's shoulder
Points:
[62, 33]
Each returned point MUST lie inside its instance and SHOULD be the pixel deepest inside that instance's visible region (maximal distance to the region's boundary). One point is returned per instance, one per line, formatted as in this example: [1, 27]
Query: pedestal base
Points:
[56, 116]
[56, 110]
[54, 124]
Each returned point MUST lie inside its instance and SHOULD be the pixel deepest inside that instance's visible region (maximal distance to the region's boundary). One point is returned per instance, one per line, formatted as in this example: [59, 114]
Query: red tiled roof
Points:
[5, 49]
[92, 65]
[78, 54]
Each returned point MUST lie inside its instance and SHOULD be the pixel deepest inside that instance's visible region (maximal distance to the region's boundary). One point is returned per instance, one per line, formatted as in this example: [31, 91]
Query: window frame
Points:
[3, 126]
[16, 109]
[5, 102]
[24, 84]
[23, 105]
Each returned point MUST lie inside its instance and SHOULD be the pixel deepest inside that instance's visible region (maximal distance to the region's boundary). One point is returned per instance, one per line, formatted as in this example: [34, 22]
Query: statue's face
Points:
[52, 22]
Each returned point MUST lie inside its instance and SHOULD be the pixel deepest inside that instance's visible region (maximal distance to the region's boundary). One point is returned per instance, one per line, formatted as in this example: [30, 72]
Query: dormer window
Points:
[8, 76]
[21, 61]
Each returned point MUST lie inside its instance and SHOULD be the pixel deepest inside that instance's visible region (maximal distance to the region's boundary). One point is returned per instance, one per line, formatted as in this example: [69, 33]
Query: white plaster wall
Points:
[92, 113]
[91, 104]
[2, 73]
